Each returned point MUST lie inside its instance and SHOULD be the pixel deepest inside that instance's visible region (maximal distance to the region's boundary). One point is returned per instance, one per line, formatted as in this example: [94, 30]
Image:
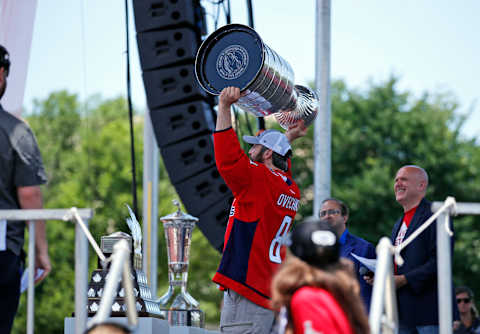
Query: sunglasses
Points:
[332, 212]
[465, 300]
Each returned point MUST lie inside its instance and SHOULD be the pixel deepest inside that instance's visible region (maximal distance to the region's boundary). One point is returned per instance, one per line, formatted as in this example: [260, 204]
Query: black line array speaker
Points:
[181, 122]
[188, 157]
[204, 190]
[167, 47]
[172, 85]
[168, 35]
[217, 215]
[166, 14]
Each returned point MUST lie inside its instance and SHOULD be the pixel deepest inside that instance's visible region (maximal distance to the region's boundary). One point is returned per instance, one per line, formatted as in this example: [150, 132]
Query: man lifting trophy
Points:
[235, 55]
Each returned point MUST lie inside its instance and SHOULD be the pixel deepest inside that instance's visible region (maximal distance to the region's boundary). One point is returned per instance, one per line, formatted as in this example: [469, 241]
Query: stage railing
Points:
[383, 316]
[120, 266]
[81, 256]
[444, 256]
[381, 322]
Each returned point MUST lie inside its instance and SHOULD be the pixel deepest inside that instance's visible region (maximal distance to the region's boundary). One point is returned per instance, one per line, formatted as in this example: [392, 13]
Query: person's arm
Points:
[31, 198]
[228, 96]
[400, 280]
[295, 131]
[232, 163]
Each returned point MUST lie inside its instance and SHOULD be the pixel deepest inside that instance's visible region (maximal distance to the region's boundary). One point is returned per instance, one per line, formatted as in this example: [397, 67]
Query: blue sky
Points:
[431, 45]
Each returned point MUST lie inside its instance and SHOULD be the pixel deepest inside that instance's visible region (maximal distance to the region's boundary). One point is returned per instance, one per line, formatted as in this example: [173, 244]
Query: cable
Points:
[227, 11]
[260, 120]
[130, 114]
[238, 128]
[217, 16]
[247, 121]
[84, 102]
[250, 14]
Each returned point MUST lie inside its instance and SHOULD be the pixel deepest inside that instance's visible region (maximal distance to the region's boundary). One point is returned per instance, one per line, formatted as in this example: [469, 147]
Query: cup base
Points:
[190, 318]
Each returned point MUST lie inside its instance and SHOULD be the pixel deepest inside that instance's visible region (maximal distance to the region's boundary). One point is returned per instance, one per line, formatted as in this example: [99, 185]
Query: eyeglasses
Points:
[465, 300]
[332, 212]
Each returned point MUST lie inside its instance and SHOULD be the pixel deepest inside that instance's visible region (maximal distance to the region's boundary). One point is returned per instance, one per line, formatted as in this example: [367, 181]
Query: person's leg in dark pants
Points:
[407, 330]
[428, 329]
[9, 289]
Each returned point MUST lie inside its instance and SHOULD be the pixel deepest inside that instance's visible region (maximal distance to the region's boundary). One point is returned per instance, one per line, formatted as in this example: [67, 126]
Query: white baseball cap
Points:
[273, 139]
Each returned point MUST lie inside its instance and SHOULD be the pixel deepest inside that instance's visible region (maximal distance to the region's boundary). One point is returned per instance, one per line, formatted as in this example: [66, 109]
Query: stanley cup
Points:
[177, 305]
[235, 55]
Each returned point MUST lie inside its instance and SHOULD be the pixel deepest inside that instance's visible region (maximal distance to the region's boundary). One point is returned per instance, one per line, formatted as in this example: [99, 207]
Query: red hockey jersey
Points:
[261, 215]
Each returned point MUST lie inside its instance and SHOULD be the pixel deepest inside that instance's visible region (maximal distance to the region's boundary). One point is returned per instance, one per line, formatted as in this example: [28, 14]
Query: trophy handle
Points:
[306, 108]
[189, 299]
[163, 300]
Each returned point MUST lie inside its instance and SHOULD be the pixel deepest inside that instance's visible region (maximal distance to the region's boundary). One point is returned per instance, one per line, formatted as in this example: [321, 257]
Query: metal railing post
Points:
[150, 204]
[81, 279]
[31, 278]
[391, 310]
[81, 257]
[121, 251]
[444, 274]
[384, 294]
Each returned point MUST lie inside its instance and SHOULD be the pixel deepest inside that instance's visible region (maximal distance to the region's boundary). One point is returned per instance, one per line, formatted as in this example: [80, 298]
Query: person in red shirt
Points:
[315, 291]
[266, 201]
[416, 279]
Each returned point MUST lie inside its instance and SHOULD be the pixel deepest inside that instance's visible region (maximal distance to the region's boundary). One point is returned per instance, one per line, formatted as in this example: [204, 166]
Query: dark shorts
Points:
[9, 289]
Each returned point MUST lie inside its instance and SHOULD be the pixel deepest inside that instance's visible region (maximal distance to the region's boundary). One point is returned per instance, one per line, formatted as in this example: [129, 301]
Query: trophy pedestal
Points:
[146, 306]
[146, 326]
[191, 318]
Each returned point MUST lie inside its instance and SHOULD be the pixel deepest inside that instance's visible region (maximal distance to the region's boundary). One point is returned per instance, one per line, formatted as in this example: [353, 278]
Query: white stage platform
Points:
[147, 326]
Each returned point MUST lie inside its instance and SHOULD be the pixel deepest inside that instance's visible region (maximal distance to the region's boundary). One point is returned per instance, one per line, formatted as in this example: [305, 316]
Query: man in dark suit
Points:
[336, 213]
[416, 279]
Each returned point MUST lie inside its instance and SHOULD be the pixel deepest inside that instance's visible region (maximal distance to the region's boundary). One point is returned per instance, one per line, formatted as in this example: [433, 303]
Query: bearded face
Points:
[256, 153]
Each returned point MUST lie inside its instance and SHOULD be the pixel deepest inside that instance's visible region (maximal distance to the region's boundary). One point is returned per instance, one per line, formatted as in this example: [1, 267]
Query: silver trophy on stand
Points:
[177, 305]
[235, 55]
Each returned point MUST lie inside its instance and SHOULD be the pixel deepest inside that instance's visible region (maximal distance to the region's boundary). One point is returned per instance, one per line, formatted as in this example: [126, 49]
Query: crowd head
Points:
[464, 296]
